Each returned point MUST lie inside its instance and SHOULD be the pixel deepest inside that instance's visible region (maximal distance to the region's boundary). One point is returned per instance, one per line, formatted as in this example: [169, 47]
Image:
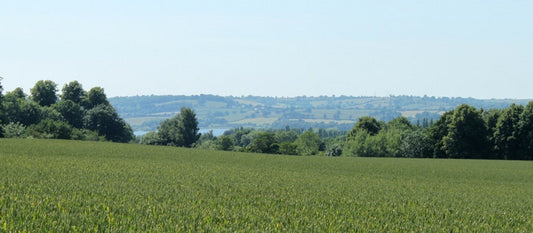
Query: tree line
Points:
[72, 114]
[465, 132]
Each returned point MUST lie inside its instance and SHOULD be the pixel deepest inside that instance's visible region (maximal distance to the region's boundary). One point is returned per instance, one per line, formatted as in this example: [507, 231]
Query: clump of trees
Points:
[284, 141]
[72, 114]
[180, 130]
[464, 132]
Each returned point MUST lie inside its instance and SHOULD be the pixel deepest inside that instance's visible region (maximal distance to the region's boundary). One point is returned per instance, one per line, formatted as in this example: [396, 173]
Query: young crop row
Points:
[49, 185]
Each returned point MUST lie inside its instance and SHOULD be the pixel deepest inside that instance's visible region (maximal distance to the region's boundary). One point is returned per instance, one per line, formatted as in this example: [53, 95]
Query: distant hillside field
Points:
[144, 113]
[74, 186]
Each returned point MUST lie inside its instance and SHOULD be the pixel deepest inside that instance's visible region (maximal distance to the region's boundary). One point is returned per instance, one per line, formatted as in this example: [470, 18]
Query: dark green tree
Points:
[74, 92]
[525, 130]
[189, 127]
[506, 137]
[491, 118]
[467, 134]
[225, 142]
[96, 96]
[264, 143]
[44, 93]
[71, 112]
[437, 132]
[21, 110]
[105, 120]
[169, 132]
[368, 124]
[180, 130]
[51, 129]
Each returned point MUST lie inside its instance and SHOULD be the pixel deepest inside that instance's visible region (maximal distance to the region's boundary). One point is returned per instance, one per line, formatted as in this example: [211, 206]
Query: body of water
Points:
[216, 132]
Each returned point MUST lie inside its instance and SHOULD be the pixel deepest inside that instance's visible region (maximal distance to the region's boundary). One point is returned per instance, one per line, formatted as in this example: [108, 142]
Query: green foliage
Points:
[264, 143]
[74, 92]
[334, 150]
[189, 127]
[70, 111]
[467, 134]
[50, 129]
[44, 92]
[96, 96]
[105, 120]
[525, 131]
[44, 117]
[437, 132]
[506, 136]
[86, 135]
[288, 148]
[367, 124]
[308, 143]
[14, 130]
[151, 138]
[180, 130]
[70, 186]
[417, 144]
[288, 136]
[225, 142]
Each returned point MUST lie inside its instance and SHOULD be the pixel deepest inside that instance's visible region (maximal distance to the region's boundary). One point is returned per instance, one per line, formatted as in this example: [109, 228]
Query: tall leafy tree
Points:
[180, 130]
[74, 92]
[18, 109]
[96, 96]
[437, 132]
[368, 124]
[491, 118]
[105, 120]
[71, 112]
[189, 127]
[44, 92]
[506, 137]
[467, 134]
[169, 133]
[525, 129]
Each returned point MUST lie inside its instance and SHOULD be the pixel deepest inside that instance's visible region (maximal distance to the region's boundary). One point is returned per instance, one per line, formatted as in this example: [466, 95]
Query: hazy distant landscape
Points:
[144, 113]
[266, 116]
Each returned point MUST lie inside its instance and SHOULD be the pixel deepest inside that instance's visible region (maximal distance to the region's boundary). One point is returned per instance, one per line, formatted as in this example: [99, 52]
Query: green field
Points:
[58, 186]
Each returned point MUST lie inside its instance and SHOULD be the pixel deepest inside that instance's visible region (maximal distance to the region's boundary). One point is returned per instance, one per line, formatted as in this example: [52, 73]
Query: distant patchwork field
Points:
[144, 113]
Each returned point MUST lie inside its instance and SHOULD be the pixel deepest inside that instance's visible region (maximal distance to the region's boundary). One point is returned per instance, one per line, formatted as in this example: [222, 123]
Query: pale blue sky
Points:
[481, 49]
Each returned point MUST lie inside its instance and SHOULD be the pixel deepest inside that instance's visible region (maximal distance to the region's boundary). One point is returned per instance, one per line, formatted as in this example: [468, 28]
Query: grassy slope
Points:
[48, 185]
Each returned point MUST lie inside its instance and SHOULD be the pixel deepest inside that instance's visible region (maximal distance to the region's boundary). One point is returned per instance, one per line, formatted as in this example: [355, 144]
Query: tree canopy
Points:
[44, 115]
[180, 130]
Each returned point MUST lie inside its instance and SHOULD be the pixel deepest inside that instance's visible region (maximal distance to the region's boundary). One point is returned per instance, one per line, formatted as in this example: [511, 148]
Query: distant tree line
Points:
[464, 132]
[74, 114]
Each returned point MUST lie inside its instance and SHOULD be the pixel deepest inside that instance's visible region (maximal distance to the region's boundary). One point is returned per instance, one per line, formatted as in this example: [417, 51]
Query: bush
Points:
[51, 129]
[14, 130]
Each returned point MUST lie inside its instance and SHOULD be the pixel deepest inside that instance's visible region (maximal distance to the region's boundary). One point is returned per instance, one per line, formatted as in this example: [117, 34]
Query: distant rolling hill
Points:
[144, 113]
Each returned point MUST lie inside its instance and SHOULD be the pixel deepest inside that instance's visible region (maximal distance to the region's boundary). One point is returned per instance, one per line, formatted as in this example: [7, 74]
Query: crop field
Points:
[59, 186]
